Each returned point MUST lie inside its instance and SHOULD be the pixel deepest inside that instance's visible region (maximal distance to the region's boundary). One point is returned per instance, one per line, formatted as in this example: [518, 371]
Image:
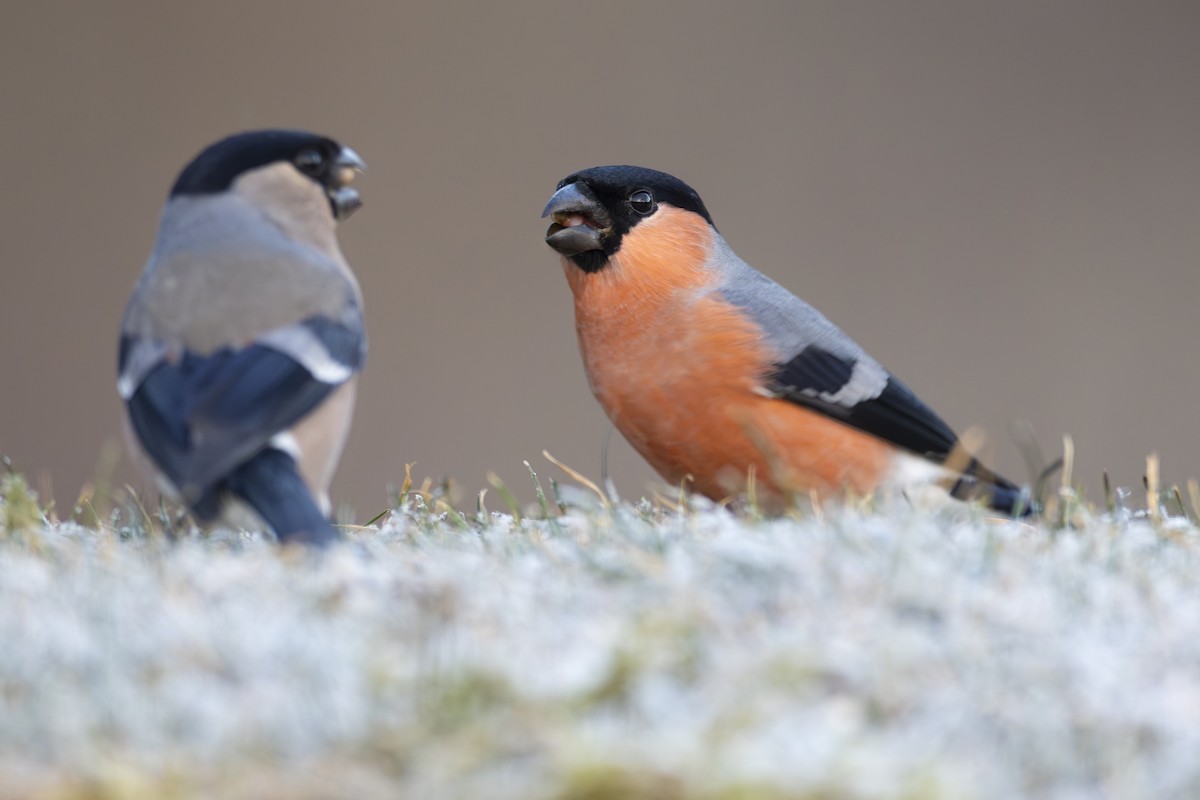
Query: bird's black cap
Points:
[220, 164]
[612, 185]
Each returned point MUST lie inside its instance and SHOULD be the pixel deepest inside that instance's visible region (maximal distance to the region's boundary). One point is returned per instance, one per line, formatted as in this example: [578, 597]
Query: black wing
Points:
[815, 376]
[821, 380]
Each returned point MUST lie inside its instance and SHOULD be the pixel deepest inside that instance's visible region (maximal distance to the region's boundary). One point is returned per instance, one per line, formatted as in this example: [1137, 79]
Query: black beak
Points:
[579, 221]
[342, 196]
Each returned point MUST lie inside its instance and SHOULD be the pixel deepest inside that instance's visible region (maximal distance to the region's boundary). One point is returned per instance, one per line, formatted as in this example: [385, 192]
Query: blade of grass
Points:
[1152, 501]
[510, 500]
[578, 477]
[543, 503]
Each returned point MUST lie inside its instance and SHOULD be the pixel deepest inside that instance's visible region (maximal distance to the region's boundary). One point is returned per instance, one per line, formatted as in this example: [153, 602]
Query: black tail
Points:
[270, 483]
[980, 483]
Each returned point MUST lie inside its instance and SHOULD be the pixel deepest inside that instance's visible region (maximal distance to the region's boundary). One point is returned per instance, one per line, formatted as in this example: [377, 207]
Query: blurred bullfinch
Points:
[242, 341]
[712, 370]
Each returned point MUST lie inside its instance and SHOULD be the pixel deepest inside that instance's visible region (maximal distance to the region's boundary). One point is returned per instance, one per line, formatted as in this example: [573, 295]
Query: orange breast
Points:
[679, 372]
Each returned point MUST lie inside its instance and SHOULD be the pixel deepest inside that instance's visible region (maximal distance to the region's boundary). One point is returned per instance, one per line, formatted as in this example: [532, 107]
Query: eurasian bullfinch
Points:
[712, 370]
[242, 341]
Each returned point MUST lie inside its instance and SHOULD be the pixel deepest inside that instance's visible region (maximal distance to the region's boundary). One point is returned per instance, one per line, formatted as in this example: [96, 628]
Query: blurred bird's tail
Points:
[980, 483]
[270, 483]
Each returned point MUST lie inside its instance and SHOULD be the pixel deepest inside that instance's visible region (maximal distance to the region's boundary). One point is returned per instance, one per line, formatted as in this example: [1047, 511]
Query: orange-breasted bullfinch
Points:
[714, 372]
[242, 341]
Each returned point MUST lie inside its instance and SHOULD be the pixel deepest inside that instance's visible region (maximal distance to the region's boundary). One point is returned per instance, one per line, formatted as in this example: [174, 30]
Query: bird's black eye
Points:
[310, 160]
[641, 201]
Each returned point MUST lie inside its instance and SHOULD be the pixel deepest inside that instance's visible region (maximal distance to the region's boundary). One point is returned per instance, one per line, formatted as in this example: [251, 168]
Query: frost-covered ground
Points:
[627, 654]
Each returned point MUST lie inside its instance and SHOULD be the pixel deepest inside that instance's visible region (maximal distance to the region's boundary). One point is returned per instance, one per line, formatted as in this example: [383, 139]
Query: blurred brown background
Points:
[1001, 202]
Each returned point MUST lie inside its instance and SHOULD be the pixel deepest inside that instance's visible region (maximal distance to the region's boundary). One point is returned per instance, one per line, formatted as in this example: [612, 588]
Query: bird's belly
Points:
[715, 442]
[692, 405]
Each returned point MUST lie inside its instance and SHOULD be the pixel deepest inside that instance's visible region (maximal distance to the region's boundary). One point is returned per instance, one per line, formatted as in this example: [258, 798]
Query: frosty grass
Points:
[635, 653]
